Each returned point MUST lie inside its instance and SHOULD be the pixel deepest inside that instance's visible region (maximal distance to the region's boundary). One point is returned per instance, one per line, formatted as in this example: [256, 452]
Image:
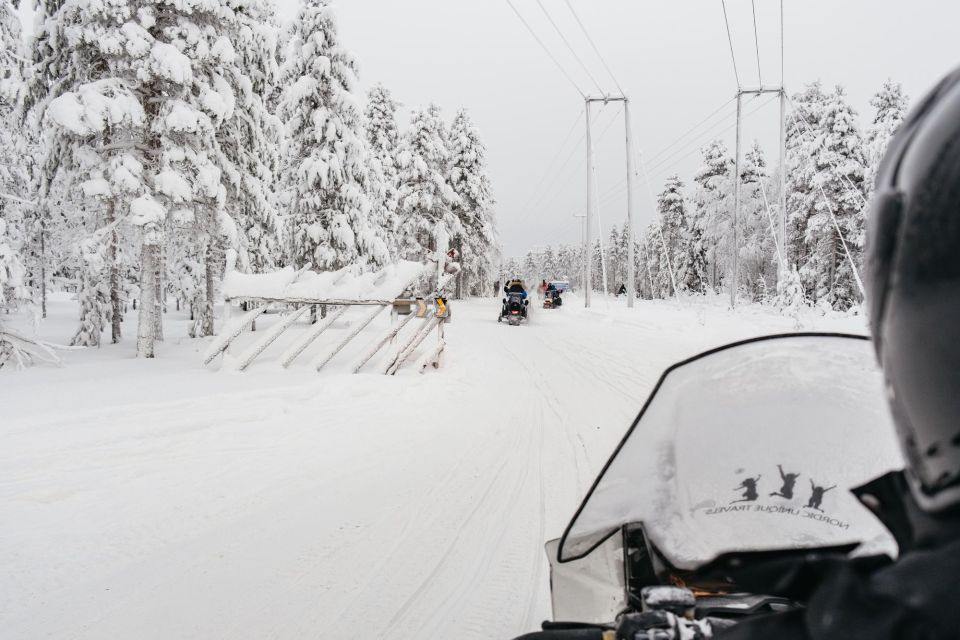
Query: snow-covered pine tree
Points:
[597, 266]
[249, 141]
[14, 180]
[509, 269]
[327, 173]
[713, 202]
[567, 267]
[661, 285]
[91, 151]
[426, 199]
[758, 261]
[13, 185]
[802, 192]
[530, 269]
[829, 163]
[645, 282]
[384, 141]
[672, 207]
[890, 107]
[474, 207]
[615, 261]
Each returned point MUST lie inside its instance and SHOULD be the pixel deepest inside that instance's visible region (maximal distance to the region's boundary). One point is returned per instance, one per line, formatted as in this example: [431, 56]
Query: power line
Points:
[663, 168]
[729, 40]
[595, 49]
[702, 137]
[547, 51]
[620, 186]
[559, 174]
[668, 163]
[756, 40]
[569, 46]
[692, 129]
[538, 203]
[550, 164]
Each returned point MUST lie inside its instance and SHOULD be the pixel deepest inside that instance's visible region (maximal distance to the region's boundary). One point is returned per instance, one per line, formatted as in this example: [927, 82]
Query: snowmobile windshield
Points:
[750, 447]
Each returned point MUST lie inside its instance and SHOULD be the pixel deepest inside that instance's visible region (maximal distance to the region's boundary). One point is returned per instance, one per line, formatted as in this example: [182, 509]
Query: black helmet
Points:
[913, 285]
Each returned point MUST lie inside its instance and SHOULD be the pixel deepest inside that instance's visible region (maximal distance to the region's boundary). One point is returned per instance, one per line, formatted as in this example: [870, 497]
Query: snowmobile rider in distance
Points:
[913, 298]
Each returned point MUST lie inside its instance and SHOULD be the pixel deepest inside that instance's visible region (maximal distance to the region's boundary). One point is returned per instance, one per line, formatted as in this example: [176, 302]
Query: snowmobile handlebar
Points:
[577, 633]
[647, 625]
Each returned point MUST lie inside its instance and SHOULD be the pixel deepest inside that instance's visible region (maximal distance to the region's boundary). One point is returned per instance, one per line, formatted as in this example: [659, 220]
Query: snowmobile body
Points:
[514, 309]
[745, 461]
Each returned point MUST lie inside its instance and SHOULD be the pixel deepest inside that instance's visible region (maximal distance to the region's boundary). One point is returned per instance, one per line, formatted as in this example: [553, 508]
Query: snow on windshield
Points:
[753, 447]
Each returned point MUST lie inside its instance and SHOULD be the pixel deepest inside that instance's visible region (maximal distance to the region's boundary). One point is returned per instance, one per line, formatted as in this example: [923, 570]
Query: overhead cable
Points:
[756, 41]
[569, 46]
[729, 40]
[595, 49]
[546, 50]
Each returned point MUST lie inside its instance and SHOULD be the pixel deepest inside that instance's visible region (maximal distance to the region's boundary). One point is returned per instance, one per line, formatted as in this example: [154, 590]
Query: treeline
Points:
[688, 249]
[147, 147]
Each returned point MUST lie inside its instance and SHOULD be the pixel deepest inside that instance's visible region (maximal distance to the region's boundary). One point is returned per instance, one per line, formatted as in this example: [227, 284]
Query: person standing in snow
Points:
[913, 296]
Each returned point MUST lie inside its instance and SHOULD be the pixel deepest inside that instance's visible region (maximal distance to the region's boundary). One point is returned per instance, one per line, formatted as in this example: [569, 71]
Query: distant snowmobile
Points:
[697, 518]
[551, 298]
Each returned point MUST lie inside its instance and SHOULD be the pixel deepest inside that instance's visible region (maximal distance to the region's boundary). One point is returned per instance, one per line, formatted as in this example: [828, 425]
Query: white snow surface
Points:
[157, 499]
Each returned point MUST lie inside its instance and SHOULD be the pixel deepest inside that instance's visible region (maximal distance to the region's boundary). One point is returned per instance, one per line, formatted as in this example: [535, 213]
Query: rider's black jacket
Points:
[917, 597]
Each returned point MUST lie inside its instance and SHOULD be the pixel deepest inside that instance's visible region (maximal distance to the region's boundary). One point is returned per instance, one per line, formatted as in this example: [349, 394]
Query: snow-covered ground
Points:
[159, 499]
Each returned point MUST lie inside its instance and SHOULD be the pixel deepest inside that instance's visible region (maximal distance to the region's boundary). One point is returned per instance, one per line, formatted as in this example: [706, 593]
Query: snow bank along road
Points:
[160, 500]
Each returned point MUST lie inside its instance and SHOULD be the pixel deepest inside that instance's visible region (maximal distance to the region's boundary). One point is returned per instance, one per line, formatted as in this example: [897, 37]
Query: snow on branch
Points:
[344, 284]
[95, 106]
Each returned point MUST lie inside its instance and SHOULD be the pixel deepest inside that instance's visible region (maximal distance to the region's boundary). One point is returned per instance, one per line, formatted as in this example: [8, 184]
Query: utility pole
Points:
[736, 207]
[631, 258]
[587, 244]
[591, 212]
[783, 184]
[735, 257]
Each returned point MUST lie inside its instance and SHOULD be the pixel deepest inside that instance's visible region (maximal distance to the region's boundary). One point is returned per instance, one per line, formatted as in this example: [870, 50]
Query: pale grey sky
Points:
[670, 56]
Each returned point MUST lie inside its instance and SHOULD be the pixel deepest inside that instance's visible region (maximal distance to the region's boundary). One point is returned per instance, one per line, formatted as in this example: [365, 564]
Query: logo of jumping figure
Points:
[816, 498]
[789, 482]
[749, 486]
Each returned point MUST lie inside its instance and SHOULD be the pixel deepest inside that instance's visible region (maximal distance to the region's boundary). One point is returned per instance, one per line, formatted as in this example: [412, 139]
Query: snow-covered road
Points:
[290, 505]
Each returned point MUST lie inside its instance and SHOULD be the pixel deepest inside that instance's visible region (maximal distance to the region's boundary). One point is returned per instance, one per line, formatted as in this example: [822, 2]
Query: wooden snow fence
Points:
[299, 291]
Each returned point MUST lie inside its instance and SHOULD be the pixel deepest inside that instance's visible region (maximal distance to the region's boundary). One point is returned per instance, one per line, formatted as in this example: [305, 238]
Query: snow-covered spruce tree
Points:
[758, 261]
[427, 200]
[890, 107]
[672, 206]
[327, 173]
[828, 199]
[384, 141]
[645, 282]
[474, 208]
[802, 192]
[14, 187]
[250, 146]
[14, 180]
[661, 284]
[54, 67]
[90, 151]
[175, 65]
[694, 253]
[713, 202]
[614, 260]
